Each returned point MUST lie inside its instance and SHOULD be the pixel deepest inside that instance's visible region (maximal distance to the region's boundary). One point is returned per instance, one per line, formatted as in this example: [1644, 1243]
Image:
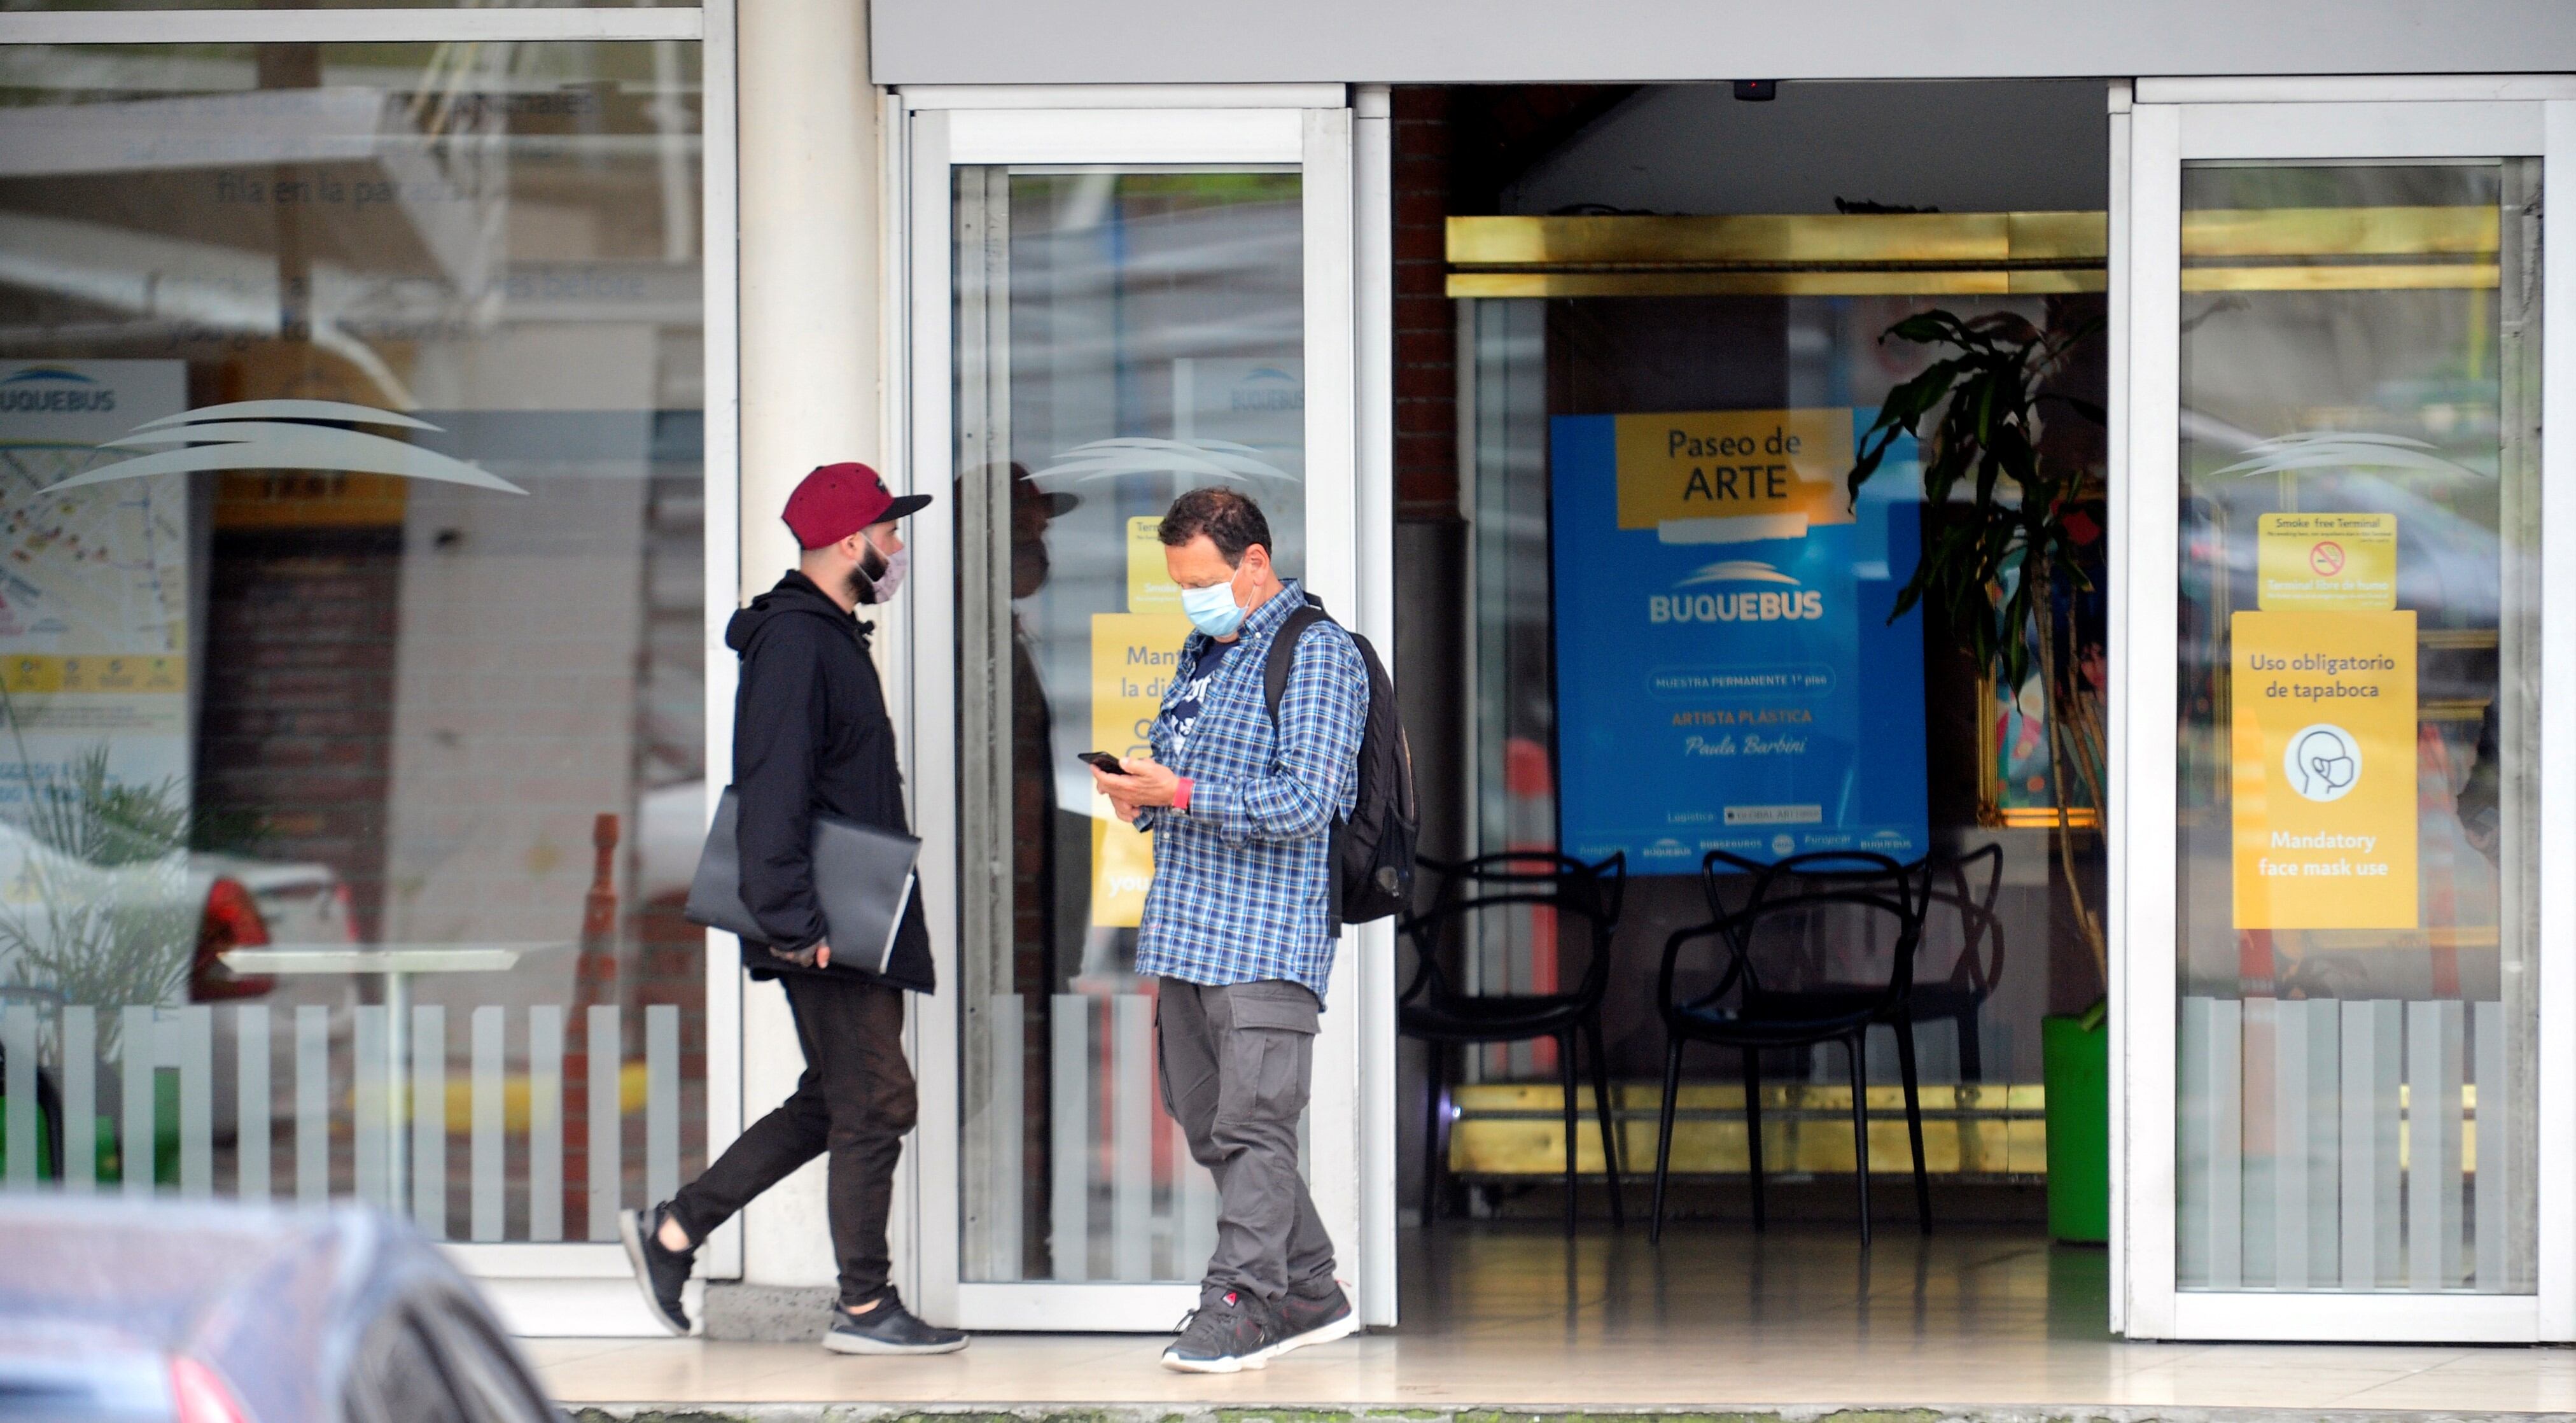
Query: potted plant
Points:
[2009, 564]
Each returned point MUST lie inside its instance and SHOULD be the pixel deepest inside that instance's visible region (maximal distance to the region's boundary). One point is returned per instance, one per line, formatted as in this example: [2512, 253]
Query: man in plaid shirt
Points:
[1239, 921]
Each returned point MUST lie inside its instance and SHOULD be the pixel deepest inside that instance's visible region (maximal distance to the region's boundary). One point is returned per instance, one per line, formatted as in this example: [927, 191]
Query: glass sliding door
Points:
[2353, 1006]
[1117, 332]
[2359, 485]
[1122, 337]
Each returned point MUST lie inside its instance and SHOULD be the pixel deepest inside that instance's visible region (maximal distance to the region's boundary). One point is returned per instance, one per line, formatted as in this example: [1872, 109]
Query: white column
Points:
[2373, 1068]
[810, 395]
[2209, 1144]
[1006, 1136]
[253, 1106]
[1069, 1126]
[1131, 1126]
[603, 1053]
[490, 1147]
[312, 1104]
[428, 1186]
[2433, 1109]
[18, 1047]
[192, 1033]
[545, 1121]
[80, 1098]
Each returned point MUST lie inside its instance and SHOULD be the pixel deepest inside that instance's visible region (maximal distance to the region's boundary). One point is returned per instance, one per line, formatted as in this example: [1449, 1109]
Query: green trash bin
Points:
[2076, 1065]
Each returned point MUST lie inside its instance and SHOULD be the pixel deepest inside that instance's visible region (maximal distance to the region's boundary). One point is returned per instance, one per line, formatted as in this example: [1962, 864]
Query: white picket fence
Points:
[346, 1104]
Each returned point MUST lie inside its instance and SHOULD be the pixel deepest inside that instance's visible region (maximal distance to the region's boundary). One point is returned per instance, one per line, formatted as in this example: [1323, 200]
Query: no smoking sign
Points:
[2326, 562]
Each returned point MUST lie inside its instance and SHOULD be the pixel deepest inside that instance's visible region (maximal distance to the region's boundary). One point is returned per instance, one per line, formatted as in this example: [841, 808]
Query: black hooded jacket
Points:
[810, 733]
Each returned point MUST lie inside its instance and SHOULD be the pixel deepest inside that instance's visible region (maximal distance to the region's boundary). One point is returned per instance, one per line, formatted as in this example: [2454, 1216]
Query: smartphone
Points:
[1102, 760]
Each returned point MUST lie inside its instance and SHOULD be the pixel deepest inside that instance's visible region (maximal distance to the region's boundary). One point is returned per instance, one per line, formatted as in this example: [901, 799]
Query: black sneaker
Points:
[1314, 1318]
[889, 1329]
[659, 1271]
[1228, 1333]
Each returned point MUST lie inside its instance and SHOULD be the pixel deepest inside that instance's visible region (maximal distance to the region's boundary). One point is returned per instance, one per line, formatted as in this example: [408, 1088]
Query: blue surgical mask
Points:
[1212, 609]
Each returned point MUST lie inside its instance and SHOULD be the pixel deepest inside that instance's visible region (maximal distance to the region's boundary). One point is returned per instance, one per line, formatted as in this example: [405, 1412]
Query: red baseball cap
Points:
[838, 500]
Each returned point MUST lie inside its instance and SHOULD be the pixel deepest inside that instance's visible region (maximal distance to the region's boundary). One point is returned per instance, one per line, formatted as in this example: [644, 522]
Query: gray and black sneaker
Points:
[659, 1270]
[1310, 1318]
[1229, 1332]
[889, 1329]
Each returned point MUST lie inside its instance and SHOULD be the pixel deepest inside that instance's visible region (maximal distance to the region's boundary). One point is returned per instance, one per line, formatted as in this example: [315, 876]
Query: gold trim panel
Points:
[1904, 281]
[1964, 239]
[1795, 239]
[2341, 232]
[2041, 817]
[1962, 254]
[1974, 1129]
[2354, 277]
[1882, 282]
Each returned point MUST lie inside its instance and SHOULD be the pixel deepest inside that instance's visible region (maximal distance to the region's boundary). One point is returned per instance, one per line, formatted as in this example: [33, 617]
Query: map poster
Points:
[1727, 677]
[2324, 769]
[94, 634]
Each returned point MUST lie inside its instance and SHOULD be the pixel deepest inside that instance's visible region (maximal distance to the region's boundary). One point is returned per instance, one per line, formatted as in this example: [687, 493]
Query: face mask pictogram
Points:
[2324, 762]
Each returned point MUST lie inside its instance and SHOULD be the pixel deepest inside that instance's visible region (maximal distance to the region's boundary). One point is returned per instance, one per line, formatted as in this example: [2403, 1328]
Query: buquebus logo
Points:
[53, 390]
[1793, 603]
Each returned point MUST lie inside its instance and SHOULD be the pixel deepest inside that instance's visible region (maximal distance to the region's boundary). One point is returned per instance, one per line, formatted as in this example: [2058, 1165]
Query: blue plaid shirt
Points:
[1242, 881]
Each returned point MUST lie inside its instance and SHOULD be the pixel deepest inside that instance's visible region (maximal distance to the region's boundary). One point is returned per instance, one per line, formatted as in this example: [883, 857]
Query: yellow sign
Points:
[1132, 657]
[1725, 476]
[2343, 563]
[45, 674]
[1150, 588]
[2323, 708]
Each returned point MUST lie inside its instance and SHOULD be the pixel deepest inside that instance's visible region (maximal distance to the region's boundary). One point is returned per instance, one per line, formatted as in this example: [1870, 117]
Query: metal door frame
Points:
[2171, 122]
[1349, 541]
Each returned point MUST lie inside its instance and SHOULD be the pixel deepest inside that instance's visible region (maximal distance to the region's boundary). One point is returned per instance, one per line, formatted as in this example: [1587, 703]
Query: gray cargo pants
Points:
[1237, 1063]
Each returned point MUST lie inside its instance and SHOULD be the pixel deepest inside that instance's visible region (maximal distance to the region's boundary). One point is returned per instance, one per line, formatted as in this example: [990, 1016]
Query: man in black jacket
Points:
[810, 733]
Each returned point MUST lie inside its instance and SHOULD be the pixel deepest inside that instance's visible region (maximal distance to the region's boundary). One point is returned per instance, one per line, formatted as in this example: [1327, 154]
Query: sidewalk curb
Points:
[1782, 1413]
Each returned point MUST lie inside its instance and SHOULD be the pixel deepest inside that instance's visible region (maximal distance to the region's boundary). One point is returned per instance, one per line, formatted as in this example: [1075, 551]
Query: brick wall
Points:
[296, 728]
[1426, 365]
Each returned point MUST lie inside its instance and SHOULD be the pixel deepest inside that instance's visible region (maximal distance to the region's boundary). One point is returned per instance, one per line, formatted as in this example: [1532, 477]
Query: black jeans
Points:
[855, 1101]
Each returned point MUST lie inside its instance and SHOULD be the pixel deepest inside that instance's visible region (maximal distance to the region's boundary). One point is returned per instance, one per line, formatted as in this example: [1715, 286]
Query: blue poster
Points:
[1726, 674]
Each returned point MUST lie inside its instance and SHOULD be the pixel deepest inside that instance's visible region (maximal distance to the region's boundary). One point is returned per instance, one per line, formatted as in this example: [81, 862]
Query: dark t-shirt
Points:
[1193, 699]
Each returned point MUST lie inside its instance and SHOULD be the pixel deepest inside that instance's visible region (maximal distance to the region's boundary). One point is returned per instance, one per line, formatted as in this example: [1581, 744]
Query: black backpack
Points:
[1372, 850]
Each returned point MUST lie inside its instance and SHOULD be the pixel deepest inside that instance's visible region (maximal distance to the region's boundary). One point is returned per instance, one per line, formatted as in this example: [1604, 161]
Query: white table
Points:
[395, 963]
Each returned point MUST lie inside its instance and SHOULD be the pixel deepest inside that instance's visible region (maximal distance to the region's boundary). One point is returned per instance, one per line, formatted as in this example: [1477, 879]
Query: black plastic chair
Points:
[1435, 1012]
[1792, 894]
[1965, 886]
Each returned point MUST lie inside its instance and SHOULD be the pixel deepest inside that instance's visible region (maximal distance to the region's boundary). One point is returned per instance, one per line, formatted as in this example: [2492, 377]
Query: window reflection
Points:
[351, 497]
[1122, 337]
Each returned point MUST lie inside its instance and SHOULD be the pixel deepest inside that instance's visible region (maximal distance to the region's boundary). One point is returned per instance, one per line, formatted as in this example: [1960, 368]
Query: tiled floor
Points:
[1508, 1315]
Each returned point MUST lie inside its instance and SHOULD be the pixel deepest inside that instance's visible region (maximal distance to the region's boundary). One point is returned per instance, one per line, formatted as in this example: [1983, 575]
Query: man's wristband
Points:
[1181, 795]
